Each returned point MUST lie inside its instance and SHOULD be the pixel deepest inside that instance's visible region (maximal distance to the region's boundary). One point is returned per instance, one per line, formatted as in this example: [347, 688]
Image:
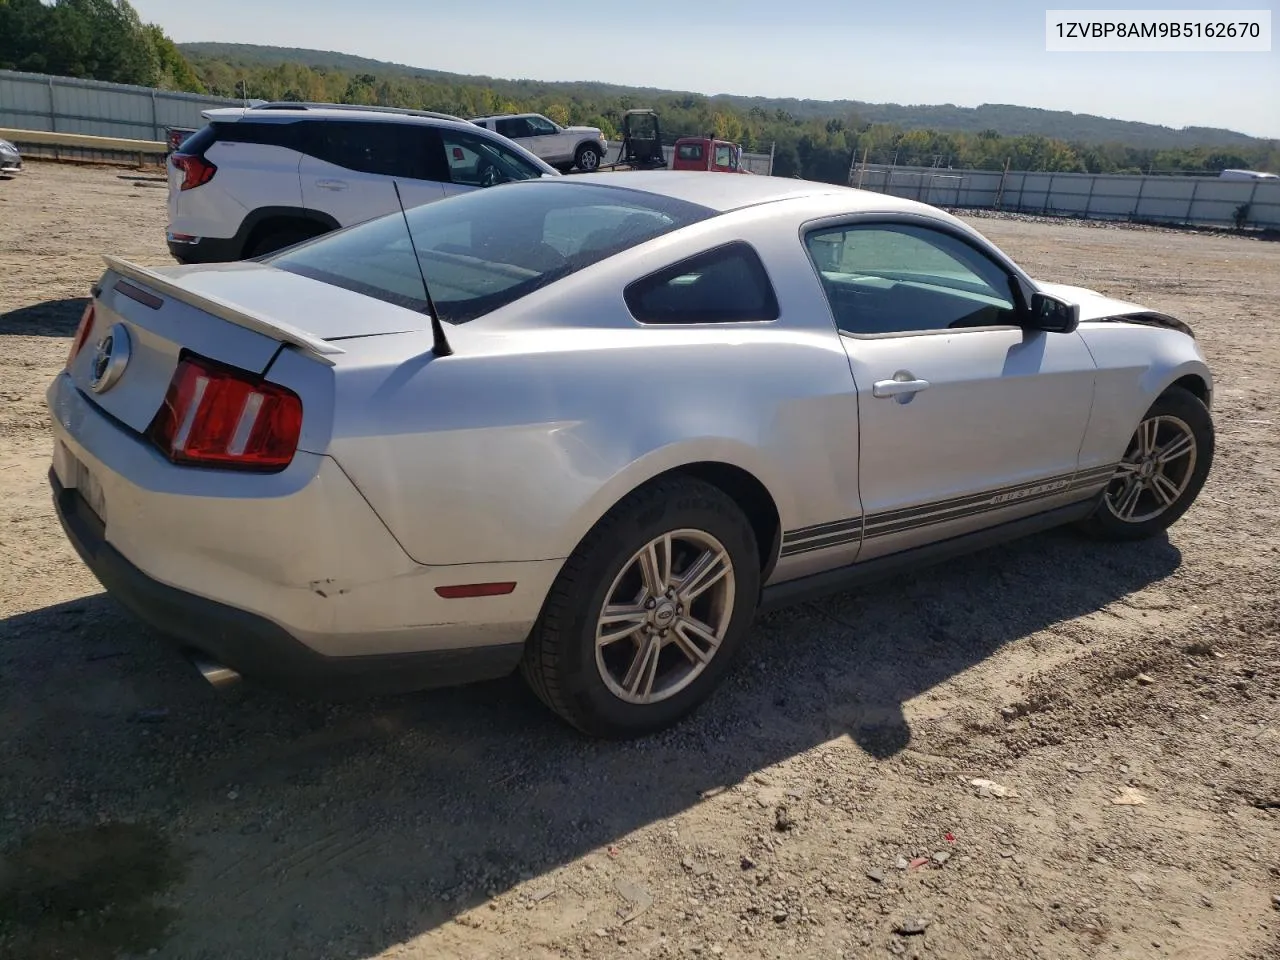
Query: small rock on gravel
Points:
[911, 926]
[989, 788]
[782, 820]
[1129, 797]
[876, 875]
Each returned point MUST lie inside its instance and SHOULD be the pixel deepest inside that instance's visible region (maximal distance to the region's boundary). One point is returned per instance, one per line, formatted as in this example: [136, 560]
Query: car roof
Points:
[506, 116]
[724, 193]
[241, 114]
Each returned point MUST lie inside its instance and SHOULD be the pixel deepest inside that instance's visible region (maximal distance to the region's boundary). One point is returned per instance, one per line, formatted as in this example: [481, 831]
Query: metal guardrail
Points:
[41, 144]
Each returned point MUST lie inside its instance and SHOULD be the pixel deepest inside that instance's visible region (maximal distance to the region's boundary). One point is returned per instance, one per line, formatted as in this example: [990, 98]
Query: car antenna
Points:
[440, 346]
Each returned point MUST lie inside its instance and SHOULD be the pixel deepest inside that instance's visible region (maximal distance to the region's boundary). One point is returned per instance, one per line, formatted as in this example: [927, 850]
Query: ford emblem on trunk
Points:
[110, 358]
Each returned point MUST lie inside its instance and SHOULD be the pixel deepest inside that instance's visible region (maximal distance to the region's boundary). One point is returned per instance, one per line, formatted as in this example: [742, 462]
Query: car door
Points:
[343, 170]
[966, 419]
[548, 141]
[517, 129]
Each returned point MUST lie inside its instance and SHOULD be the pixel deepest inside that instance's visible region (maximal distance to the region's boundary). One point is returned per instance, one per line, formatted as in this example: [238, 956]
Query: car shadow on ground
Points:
[343, 829]
[52, 318]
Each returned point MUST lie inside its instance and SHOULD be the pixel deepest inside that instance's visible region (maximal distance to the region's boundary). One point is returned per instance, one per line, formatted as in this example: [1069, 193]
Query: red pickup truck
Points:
[708, 153]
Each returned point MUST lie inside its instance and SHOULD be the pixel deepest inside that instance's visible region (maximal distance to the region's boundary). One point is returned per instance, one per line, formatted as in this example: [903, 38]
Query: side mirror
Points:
[1053, 315]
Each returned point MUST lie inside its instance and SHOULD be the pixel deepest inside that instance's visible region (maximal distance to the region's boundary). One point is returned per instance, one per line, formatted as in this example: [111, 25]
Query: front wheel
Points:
[646, 615]
[1162, 472]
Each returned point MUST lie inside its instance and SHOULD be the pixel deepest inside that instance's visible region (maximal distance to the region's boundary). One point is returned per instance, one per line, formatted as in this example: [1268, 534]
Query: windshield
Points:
[487, 248]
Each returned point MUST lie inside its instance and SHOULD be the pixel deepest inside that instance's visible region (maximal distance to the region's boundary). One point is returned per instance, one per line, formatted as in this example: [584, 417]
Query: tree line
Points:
[94, 40]
[813, 148]
[106, 40]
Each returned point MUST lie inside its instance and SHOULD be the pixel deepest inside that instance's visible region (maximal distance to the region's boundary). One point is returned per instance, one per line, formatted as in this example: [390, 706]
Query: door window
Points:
[514, 128]
[478, 161]
[542, 127]
[724, 155]
[884, 279]
[371, 146]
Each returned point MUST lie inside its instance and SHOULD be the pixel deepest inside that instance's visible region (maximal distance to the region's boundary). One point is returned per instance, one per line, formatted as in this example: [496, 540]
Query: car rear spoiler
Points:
[223, 310]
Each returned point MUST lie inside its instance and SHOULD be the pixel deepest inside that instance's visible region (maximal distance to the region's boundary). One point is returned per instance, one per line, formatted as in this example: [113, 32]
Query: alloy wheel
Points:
[1155, 471]
[665, 616]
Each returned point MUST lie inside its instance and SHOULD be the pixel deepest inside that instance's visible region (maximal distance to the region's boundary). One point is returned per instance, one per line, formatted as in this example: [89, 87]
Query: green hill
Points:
[1006, 119]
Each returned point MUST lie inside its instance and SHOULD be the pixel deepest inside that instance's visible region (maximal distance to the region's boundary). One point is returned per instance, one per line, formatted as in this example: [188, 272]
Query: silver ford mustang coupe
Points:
[586, 427]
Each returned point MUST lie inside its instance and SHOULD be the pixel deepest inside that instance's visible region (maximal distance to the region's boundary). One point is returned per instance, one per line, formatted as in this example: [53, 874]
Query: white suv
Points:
[562, 147]
[257, 179]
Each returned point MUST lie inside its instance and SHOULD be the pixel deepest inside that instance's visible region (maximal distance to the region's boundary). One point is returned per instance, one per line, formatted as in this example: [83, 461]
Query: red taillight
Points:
[218, 416]
[196, 171]
[82, 332]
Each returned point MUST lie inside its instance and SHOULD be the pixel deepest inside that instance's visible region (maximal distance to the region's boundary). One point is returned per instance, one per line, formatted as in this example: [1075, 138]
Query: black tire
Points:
[280, 237]
[560, 662]
[1179, 405]
[588, 158]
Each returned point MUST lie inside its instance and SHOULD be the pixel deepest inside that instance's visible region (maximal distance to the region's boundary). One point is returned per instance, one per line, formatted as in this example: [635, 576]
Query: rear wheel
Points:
[277, 238]
[647, 614]
[1162, 472]
[587, 159]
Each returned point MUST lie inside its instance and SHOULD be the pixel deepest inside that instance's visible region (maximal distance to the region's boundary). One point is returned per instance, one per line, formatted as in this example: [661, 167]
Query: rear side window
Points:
[287, 135]
[377, 147]
[725, 285]
[690, 151]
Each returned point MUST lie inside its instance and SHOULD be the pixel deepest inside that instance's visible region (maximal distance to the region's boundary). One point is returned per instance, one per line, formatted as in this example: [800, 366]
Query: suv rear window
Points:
[200, 141]
[485, 249]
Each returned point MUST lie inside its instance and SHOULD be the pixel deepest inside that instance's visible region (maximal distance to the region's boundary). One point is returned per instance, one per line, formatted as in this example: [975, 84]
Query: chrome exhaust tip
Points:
[217, 675]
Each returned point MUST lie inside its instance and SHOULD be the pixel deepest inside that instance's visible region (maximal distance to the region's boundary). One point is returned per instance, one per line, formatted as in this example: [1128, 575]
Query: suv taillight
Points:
[82, 333]
[196, 171]
[217, 416]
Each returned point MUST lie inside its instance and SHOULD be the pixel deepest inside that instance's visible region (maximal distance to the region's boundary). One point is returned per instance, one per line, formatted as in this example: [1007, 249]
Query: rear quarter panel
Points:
[547, 415]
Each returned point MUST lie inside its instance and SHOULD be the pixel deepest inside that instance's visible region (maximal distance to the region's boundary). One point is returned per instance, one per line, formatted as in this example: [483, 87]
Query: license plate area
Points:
[82, 480]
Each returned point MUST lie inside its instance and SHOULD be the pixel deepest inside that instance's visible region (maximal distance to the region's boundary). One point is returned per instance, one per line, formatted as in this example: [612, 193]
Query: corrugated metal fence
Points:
[34, 101]
[1200, 201]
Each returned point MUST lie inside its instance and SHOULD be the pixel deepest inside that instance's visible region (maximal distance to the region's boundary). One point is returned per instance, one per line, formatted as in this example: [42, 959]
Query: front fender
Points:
[1135, 365]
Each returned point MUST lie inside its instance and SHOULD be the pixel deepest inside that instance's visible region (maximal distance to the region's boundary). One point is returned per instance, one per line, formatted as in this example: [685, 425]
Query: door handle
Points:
[331, 184]
[903, 385]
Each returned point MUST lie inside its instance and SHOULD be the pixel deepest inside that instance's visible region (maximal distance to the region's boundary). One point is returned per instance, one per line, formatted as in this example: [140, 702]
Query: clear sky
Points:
[899, 51]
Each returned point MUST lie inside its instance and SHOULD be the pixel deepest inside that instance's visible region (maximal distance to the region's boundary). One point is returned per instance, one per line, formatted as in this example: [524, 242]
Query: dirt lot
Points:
[143, 813]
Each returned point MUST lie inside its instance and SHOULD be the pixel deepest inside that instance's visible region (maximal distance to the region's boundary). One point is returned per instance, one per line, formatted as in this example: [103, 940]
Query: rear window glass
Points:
[690, 151]
[487, 248]
[200, 141]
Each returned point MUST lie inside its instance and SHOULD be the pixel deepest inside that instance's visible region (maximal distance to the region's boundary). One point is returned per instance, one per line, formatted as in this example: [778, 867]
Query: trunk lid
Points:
[238, 314]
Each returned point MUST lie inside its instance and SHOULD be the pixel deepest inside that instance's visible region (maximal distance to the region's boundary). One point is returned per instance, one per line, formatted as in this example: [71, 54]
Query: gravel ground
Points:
[823, 805]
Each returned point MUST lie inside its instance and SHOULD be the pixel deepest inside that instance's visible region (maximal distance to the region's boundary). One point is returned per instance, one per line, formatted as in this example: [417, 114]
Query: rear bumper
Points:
[206, 249]
[257, 648]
